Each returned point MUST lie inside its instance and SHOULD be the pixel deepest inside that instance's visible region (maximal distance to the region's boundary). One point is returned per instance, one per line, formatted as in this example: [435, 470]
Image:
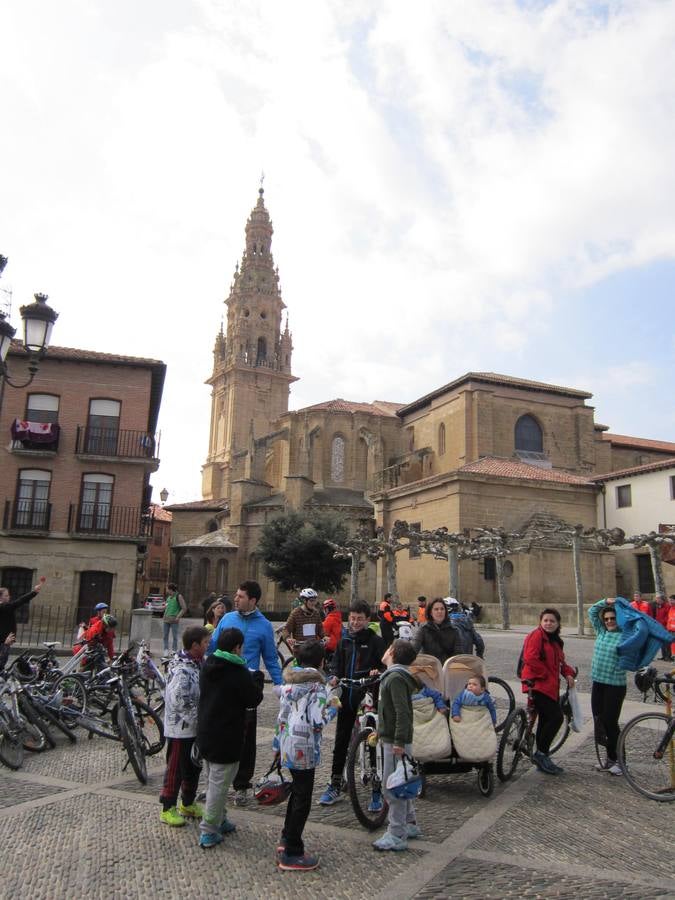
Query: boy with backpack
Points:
[181, 698]
[227, 690]
[304, 710]
[395, 720]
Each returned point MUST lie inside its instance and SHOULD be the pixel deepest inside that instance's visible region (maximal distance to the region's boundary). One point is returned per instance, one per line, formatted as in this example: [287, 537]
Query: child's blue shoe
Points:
[227, 827]
[390, 842]
[330, 796]
[376, 804]
[208, 839]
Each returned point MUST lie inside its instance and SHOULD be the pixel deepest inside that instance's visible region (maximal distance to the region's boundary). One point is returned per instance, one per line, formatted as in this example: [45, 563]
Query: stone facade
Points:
[485, 450]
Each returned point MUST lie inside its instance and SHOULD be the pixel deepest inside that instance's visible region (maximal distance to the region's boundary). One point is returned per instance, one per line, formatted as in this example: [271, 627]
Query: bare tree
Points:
[356, 547]
[444, 544]
[653, 542]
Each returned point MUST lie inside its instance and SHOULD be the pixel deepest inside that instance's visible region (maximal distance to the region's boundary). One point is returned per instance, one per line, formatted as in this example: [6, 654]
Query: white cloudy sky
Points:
[454, 184]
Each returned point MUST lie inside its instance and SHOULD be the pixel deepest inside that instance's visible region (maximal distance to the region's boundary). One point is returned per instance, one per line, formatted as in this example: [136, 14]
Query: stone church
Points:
[483, 450]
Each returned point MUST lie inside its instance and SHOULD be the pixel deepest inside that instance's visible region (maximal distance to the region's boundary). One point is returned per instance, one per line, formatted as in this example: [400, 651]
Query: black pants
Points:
[297, 811]
[343, 732]
[606, 703]
[180, 775]
[243, 778]
[549, 720]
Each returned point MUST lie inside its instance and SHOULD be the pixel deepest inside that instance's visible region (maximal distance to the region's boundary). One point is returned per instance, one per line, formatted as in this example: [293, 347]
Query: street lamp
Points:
[163, 495]
[38, 321]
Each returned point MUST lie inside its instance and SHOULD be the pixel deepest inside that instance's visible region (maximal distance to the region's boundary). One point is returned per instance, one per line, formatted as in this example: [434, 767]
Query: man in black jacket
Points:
[226, 690]
[8, 608]
[357, 656]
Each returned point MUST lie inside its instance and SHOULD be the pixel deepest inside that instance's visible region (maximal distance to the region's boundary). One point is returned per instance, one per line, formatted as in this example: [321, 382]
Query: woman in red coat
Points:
[544, 663]
[332, 625]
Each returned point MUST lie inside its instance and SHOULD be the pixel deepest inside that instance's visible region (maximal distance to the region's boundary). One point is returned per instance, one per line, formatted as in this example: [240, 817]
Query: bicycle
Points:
[18, 727]
[363, 768]
[504, 700]
[646, 747]
[281, 639]
[518, 738]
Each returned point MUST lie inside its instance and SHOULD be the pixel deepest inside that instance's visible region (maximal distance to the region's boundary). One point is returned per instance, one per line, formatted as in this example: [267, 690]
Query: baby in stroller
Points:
[474, 694]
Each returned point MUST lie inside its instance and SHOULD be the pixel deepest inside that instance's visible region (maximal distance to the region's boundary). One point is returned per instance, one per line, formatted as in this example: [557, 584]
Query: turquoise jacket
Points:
[258, 641]
[642, 638]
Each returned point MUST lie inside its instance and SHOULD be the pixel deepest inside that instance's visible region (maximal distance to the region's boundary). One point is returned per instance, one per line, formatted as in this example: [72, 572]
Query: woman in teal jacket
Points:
[608, 687]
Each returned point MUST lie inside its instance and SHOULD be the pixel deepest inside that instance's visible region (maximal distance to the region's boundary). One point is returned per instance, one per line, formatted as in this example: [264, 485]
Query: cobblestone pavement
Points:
[74, 824]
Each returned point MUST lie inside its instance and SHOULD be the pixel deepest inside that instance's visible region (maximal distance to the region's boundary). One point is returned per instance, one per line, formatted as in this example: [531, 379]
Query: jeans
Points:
[172, 629]
[343, 732]
[549, 720]
[606, 703]
[401, 812]
[218, 780]
[180, 774]
[297, 811]
[246, 766]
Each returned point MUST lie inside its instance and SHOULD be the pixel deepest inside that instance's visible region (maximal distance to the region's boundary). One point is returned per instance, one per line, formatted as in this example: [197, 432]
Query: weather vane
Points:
[262, 179]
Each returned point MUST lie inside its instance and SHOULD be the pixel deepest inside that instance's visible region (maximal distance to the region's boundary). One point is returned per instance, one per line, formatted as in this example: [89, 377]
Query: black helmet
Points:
[109, 620]
[644, 679]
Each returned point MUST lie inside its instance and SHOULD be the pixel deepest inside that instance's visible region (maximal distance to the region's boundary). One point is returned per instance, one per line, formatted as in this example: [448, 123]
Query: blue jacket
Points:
[642, 637]
[258, 641]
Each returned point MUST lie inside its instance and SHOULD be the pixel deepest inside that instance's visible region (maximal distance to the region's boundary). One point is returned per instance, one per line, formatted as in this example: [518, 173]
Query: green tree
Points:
[298, 551]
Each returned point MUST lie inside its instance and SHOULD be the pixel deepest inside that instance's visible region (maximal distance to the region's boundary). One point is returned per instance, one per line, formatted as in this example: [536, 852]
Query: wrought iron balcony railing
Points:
[27, 515]
[119, 442]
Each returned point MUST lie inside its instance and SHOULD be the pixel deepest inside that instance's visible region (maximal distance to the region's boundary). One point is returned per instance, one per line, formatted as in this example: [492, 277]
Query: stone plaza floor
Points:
[74, 825]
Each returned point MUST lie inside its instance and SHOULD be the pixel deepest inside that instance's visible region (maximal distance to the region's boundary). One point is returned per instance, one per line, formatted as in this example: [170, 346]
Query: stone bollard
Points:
[141, 625]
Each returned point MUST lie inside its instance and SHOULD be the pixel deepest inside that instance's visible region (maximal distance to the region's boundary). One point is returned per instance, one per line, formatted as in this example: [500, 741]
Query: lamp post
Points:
[38, 321]
[163, 495]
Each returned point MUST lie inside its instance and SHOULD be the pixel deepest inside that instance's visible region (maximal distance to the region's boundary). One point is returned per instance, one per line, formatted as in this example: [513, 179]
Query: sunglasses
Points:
[609, 619]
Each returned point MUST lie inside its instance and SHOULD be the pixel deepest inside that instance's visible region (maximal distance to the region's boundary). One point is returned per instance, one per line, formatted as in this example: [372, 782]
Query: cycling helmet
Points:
[109, 620]
[100, 606]
[644, 679]
[272, 790]
[329, 604]
[308, 594]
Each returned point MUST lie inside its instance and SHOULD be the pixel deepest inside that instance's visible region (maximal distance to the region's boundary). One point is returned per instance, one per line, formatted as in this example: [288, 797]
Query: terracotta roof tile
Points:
[637, 470]
[79, 355]
[160, 514]
[640, 443]
[378, 407]
[510, 468]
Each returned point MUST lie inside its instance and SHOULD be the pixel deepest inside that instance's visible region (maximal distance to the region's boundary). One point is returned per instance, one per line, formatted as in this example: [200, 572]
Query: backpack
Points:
[521, 661]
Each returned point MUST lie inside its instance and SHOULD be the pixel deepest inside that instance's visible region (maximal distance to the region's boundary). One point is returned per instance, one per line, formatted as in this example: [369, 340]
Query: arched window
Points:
[221, 576]
[337, 459]
[204, 571]
[261, 354]
[441, 439]
[529, 435]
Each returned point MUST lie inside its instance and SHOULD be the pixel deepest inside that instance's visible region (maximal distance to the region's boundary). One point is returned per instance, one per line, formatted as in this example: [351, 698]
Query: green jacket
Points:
[395, 712]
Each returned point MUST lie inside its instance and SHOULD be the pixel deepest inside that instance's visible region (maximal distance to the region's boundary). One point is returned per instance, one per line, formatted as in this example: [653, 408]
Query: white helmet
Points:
[308, 594]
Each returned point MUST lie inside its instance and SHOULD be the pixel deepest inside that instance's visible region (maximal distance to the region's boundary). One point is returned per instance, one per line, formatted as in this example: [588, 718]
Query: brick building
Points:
[79, 449]
[483, 450]
[154, 569]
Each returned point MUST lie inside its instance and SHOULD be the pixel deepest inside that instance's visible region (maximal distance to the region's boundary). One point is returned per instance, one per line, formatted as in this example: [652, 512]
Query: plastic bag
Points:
[405, 782]
[577, 722]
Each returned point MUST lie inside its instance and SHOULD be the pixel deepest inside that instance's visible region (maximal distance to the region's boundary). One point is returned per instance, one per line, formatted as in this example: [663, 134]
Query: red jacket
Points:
[661, 614]
[643, 606]
[670, 622]
[98, 634]
[332, 629]
[544, 663]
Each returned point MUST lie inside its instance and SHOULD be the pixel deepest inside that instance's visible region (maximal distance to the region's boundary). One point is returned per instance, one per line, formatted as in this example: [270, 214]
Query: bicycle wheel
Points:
[71, 691]
[131, 741]
[561, 735]
[600, 737]
[504, 700]
[363, 781]
[150, 726]
[52, 719]
[646, 754]
[11, 746]
[486, 780]
[511, 744]
[37, 736]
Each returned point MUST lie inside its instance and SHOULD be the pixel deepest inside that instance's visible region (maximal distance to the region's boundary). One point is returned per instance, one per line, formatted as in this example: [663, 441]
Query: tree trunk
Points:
[390, 564]
[354, 576]
[578, 586]
[655, 555]
[453, 570]
[501, 592]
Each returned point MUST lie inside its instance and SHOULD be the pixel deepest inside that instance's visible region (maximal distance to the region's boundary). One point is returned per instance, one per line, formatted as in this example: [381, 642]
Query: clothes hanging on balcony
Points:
[35, 432]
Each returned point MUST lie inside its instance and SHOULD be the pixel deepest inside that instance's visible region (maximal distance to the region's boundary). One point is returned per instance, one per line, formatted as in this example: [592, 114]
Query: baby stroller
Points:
[446, 748]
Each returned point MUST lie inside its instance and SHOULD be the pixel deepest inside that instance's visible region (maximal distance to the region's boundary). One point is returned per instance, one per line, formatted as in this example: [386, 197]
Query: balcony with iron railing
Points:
[117, 443]
[34, 438]
[27, 516]
[103, 520]
[404, 469]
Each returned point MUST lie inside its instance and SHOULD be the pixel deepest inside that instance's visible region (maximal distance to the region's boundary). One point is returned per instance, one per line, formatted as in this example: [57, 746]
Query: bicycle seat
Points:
[50, 644]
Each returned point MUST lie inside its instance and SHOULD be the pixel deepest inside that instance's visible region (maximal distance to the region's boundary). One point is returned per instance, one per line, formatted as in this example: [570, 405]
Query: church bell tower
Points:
[251, 376]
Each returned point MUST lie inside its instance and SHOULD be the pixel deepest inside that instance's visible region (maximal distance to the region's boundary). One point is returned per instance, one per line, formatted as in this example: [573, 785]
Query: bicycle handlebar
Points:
[359, 682]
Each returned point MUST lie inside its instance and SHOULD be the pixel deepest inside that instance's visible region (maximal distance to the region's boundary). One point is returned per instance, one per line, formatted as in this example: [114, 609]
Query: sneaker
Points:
[376, 804]
[330, 796]
[543, 763]
[413, 831]
[556, 769]
[193, 811]
[208, 839]
[601, 767]
[241, 797]
[304, 863]
[227, 827]
[615, 769]
[390, 842]
[171, 817]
